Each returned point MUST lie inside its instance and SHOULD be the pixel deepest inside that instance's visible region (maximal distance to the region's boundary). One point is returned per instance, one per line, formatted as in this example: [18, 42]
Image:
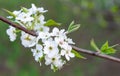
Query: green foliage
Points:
[114, 9]
[54, 68]
[52, 23]
[77, 54]
[73, 27]
[106, 49]
[93, 44]
[41, 59]
[9, 12]
[24, 9]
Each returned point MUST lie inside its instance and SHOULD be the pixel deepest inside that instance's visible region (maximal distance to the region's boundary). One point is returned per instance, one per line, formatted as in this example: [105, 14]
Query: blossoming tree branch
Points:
[49, 45]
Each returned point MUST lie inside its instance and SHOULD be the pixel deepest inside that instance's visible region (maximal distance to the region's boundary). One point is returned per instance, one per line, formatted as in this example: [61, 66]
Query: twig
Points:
[89, 52]
[96, 54]
[17, 26]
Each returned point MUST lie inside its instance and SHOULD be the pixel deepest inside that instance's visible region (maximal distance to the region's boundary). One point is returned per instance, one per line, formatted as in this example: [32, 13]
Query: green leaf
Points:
[73, 27]
[52, 23]
[109, 51]
[77, 54]
[17, 31]
[41, 59]
[54, 68]
[71, 24]
[9, 12]
[104, 46]
[106, 49]
[92, 43]
[24, 9]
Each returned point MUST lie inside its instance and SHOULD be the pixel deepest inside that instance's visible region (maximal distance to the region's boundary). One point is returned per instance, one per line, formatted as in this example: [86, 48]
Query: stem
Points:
[17, 26]
[96, 54]
[89, 52]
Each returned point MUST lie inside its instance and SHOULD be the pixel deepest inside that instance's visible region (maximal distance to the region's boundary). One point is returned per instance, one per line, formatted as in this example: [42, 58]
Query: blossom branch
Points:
[89, 52]
[17, 26]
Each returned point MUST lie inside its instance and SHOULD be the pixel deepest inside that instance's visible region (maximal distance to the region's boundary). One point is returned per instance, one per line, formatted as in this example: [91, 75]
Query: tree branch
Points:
[17, 26]
[96, 54]
[89, 52]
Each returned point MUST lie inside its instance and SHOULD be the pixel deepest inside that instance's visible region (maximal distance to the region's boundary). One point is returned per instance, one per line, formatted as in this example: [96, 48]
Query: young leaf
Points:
[24, 9]
[92, 43]
[71, 24]
[106, 49]
[104, 46]
[9, 12]
[109, 51]
[77, 54]
[73, 27]
[41, 58]
[54, 68]
[52, 23]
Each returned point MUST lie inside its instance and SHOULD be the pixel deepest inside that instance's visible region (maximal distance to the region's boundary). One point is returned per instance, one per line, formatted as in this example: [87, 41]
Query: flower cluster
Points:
[51, 46]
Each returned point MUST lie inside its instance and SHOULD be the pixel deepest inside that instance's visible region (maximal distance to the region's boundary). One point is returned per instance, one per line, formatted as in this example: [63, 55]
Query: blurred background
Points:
[99, 19]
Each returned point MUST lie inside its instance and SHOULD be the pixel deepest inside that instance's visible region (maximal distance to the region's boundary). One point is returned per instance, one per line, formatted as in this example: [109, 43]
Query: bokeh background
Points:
[99, 19]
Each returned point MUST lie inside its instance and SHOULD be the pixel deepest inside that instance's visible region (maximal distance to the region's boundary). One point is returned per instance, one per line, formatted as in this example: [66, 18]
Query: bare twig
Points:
[89, 52]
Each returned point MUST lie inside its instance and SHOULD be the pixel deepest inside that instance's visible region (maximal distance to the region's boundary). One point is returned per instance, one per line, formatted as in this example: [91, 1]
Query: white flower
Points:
[57, 32]
[24, 17]
[41, 19]
[61, 41]
[28, 40]
[41, 28]
[50, 48]
[50, 60]
[16, 13]
[68, 40]
[37, 52]
[12, 33]
[54, 47]
[34, 9]
[67, 52]
[43, 36]
[54, 61]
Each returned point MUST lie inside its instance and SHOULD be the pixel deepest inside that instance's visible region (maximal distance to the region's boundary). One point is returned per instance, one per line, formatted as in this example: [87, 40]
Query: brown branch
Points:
[17, 26]
[96, 54]
[89, 52]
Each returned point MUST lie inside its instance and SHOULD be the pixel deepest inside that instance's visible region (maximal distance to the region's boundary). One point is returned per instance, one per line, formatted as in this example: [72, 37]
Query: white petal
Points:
[11, 33]
[62, 52]
[53, 53]
[67, 57]
[47, 60]
[39, 47]
[72, 55]
[34, 7]
[37, 58]
[46, 51]
[70, 41]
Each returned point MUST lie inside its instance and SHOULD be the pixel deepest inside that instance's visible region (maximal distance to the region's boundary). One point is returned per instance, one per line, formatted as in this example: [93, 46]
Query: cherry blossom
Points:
[37, 52]
[27, 40]
[50, 48]
[51, 45]
[12, 33]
